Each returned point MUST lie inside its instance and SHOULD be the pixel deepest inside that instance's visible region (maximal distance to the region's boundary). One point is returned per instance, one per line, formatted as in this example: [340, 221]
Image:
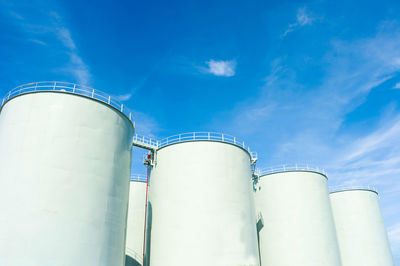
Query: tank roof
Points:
[290, 168]
[353, 188]
[71, 88]
[193, 136]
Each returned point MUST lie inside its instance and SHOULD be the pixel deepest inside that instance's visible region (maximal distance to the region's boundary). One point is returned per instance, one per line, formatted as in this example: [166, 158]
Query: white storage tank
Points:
[295, 224]
[360, 229]
[136, 221]
[200, 203]
[64, 177]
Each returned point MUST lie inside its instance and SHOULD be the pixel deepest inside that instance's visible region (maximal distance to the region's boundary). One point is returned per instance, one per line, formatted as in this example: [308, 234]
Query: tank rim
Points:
[355, 189]
[69, 88]
[290, 168]
[199, 136]
[206, 140]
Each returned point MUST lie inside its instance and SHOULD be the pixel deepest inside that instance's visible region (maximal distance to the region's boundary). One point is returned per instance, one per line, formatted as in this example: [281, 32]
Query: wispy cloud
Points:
[303, 18]
[148, 126]
[310, 124]
[221, 68]
[38, 42]
[52, 27]
[397, 86]
[65, 36]
[124, 97]
[77, 67]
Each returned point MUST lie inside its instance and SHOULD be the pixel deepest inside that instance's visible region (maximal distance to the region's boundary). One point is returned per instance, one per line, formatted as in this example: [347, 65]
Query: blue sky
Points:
[300, 81]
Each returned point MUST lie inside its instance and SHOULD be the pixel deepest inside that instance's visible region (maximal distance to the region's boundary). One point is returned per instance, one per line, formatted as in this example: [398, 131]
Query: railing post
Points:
[73, 90]
[130, 116]
[54, 87]
[194, 135]
[122, 107]
[36, 86]
[222, 137]
[234, 140]
[208, 135]
[93, 93]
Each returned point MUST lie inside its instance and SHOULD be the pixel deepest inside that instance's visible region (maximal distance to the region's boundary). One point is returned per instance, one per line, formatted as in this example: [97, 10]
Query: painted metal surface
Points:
[64, 181]
[136, 213]
[360, 229]
[295, 224]
[200, 206]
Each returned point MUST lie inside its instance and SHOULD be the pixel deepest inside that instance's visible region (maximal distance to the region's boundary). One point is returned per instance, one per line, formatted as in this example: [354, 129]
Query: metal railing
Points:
[352, 187]
[68, 88]
[138, 177]
[191, 136]
[146, 140]
[288, 168]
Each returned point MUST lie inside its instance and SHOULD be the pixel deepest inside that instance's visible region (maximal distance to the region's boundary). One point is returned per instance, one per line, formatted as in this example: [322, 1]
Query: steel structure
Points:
[360, 229]
[295, 224]
[64, 178]
[200, 206]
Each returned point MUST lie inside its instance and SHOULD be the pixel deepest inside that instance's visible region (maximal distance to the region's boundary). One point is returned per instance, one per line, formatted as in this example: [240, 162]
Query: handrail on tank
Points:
[68, 88]
[289, 168]
[215, 136]
[138, 177]
[341, 188]
[146, 140]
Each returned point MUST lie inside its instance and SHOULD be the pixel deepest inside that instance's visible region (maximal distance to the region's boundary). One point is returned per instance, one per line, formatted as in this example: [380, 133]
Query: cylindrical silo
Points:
[136, 221]
[295, 224]
[360, 229]
[64, 178]
[200, 206]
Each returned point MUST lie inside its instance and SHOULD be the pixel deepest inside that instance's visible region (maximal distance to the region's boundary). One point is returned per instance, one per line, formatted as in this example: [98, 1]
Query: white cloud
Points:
[147, 126]
[222, 68]
[77, 67]
[397, 86]
[38, 42]
[124, 97]
[303, 18]
[53, 27]
[312, 124]
[65, 36]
